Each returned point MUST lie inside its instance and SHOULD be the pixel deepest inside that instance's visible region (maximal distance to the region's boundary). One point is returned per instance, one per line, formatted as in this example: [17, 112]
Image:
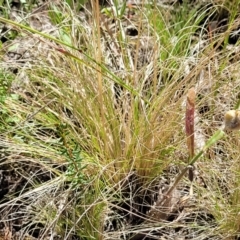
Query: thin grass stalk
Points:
[189, 125]
[189, 121]
[217, 136]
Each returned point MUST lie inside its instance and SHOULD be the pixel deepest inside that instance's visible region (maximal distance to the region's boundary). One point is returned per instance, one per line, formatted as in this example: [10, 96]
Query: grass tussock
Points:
[96, 129]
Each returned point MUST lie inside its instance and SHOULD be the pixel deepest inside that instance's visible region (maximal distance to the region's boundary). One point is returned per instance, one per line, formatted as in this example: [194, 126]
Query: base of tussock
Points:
[94, 137]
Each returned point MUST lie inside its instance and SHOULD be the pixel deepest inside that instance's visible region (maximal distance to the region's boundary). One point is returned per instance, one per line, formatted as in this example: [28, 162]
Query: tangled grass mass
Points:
[119, 120]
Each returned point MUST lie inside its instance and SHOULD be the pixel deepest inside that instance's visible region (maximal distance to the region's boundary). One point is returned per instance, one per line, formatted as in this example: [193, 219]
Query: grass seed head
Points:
[232, 120]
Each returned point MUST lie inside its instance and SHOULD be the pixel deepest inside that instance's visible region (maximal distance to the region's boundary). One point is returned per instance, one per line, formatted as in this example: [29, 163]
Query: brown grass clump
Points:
[101, 137]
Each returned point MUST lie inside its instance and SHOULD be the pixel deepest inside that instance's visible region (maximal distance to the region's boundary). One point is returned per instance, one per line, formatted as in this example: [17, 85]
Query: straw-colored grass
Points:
[96, 128]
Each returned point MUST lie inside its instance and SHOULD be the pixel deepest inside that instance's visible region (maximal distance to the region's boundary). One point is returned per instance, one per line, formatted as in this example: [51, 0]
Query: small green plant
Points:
[6, 118]
[72, 152]
[6, 79]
